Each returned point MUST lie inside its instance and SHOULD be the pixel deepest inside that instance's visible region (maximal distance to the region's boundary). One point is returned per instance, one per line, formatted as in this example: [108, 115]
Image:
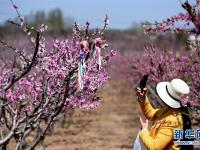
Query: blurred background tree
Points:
[54, 19]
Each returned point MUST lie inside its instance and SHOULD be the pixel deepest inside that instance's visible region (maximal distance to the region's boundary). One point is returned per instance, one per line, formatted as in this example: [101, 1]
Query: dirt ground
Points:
[113, 126]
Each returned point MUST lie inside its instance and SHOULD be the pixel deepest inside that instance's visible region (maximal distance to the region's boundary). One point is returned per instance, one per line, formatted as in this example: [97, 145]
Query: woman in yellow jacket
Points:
[170, 117]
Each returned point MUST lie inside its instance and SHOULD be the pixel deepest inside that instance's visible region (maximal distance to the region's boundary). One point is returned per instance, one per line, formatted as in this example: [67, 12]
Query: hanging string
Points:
[98, 45]
[98, 54]
[80, 70]
[81, 65]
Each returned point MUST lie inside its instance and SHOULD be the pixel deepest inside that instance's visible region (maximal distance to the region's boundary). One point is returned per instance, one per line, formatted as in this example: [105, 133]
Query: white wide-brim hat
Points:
[171, 92]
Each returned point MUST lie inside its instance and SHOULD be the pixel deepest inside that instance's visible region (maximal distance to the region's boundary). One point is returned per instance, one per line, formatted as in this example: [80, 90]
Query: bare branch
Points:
[8, 137]
[29, 67]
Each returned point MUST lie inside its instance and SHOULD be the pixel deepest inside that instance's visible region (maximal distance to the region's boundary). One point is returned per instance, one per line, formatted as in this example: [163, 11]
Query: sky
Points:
[122, 13]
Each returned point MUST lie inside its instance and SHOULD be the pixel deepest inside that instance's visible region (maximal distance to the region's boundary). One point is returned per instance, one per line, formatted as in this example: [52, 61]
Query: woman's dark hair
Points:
[187, 124]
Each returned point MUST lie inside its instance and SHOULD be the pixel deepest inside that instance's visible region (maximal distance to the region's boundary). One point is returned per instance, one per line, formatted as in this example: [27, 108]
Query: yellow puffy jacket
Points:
[164, 122]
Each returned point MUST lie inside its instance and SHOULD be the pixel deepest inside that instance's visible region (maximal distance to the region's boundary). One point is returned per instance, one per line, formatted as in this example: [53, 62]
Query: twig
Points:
[29, 67]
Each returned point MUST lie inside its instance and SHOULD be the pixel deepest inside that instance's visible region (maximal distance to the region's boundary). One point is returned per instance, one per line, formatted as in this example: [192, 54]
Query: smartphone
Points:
[143, 81]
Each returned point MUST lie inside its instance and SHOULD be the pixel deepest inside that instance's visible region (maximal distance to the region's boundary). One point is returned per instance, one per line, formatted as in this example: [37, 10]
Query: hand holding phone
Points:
[141, 90]
[143, 82]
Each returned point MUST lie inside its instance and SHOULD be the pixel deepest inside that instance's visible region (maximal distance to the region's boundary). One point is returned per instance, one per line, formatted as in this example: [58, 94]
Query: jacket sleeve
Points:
[147, 109]
[162, 139]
